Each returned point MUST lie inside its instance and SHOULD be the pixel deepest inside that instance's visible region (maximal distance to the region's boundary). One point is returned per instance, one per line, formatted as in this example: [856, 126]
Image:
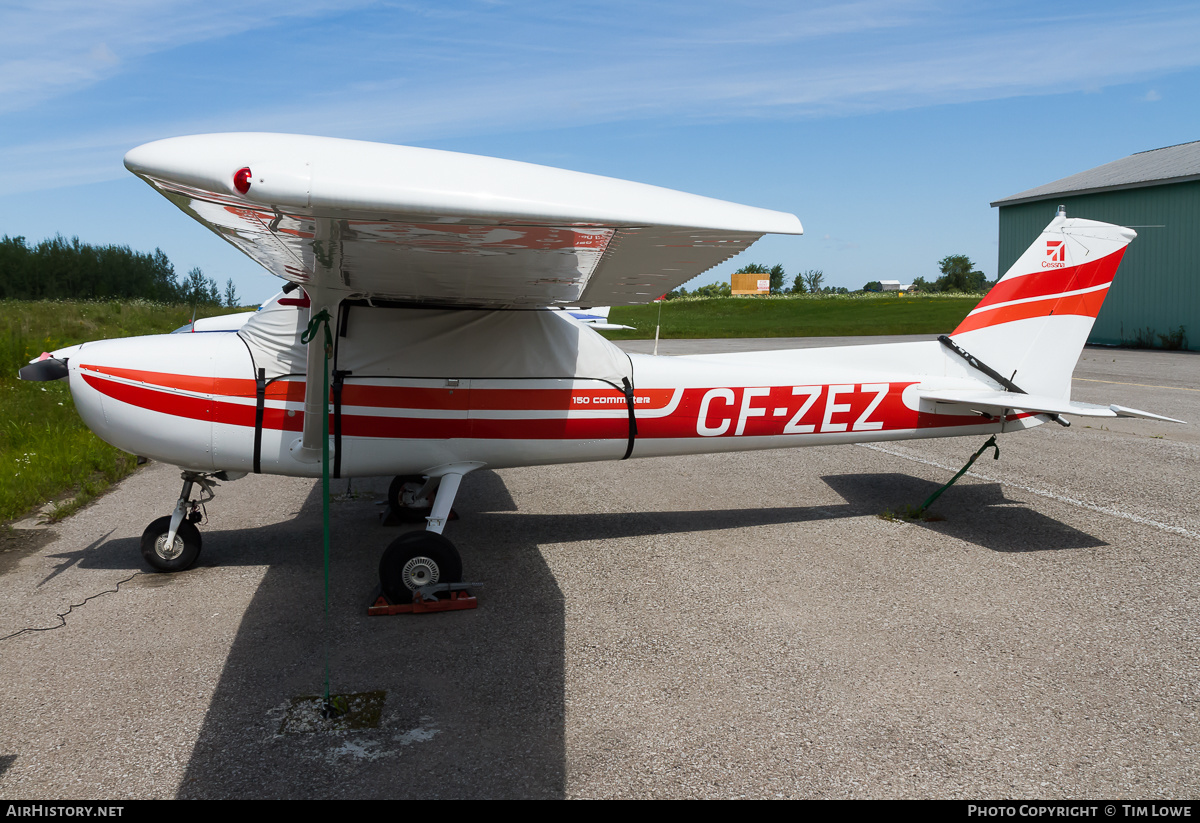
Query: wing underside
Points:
[415, 225]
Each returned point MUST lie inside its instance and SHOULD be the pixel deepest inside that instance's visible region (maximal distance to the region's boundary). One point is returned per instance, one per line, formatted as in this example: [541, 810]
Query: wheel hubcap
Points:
[420, 571]
[160, 547]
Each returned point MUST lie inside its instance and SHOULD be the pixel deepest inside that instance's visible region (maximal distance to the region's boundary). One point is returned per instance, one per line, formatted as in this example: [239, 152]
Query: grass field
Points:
[794, 316]
[46, 452]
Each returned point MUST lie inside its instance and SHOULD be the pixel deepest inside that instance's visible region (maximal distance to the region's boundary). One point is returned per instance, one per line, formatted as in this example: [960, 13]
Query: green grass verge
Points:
[794, 316]
[46, 453]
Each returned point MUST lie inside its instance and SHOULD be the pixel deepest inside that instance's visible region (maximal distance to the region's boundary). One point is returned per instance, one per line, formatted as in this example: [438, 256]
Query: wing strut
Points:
[308, 448]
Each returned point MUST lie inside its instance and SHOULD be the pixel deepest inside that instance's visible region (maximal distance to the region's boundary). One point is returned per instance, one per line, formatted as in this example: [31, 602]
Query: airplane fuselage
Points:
[193, 400]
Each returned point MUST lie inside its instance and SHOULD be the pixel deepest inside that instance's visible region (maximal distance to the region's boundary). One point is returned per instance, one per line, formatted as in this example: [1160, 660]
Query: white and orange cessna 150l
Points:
[439, 274]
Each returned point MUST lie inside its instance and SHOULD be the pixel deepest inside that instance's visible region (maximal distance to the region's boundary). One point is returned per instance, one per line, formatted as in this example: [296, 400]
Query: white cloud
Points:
[50, 47]
[420, 72]
[865, 57]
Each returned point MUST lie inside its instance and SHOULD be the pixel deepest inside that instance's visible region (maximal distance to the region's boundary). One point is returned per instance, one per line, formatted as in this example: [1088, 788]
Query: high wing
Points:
[419, 225]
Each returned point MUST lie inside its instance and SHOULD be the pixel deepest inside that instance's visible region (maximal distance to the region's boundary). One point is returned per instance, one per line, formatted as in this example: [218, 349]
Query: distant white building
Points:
[894, 285]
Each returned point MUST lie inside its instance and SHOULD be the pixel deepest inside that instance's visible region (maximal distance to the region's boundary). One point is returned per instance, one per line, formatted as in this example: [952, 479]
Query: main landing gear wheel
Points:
[401, 483]
[414, 560]
[177, 557]
[400, 497]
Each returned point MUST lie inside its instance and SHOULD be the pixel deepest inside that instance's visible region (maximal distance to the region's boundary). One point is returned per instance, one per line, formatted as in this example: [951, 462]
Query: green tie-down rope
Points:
[991, 444]
[321, 320]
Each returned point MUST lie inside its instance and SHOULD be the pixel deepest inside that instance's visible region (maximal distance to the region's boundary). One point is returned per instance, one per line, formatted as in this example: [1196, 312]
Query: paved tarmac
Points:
[709, 626]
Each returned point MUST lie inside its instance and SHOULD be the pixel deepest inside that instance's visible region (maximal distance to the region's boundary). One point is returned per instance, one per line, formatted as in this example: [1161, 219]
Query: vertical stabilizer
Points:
[1033, 324]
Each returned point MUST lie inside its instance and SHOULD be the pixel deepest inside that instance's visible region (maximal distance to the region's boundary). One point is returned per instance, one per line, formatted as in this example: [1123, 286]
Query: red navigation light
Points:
[241, 179]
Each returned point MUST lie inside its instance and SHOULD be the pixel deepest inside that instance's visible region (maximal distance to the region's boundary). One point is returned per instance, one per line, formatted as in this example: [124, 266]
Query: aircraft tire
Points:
[416, 559]
[187, 545]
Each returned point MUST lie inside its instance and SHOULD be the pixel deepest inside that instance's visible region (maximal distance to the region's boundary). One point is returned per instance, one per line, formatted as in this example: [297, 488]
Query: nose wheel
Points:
[172, 543]
[175, 556]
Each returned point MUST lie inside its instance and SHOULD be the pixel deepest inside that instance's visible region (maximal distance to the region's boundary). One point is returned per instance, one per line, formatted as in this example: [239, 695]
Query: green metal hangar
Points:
[1157, 289]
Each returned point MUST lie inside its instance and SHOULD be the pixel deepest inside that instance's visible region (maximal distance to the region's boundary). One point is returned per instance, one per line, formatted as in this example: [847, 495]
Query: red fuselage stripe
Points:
[401, 397]
[717, 412]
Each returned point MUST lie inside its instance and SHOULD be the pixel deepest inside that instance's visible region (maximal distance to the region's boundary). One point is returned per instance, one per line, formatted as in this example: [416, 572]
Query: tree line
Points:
[61, 269]
[958, 276]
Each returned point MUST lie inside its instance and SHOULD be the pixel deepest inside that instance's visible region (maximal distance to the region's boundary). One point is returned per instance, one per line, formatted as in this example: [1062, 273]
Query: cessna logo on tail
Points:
[1056, 250]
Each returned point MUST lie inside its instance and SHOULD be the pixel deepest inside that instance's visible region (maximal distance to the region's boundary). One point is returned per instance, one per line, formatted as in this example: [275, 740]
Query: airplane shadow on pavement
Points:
[474, 702]
[978, 513]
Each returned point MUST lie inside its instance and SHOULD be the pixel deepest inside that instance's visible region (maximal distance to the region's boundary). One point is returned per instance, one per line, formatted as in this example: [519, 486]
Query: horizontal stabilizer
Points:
[1124, 411]
[994, 402]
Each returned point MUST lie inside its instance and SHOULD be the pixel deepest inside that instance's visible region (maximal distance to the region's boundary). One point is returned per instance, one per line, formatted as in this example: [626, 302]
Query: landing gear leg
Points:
[440, 512]
[172, 543]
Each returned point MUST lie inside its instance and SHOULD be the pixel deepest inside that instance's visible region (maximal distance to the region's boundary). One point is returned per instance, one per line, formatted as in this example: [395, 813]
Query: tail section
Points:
[1033, 324]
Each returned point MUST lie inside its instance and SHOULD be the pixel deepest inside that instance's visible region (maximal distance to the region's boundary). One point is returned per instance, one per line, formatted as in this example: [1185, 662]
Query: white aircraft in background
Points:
[435, 269]
[221, 322]
[596, 317]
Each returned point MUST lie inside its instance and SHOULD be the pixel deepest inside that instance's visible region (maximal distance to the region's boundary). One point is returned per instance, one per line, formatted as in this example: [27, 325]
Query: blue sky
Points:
[887, 127]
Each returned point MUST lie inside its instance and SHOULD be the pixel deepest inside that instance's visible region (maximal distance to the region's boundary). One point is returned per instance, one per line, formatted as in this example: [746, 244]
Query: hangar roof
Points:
[1172, 164]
